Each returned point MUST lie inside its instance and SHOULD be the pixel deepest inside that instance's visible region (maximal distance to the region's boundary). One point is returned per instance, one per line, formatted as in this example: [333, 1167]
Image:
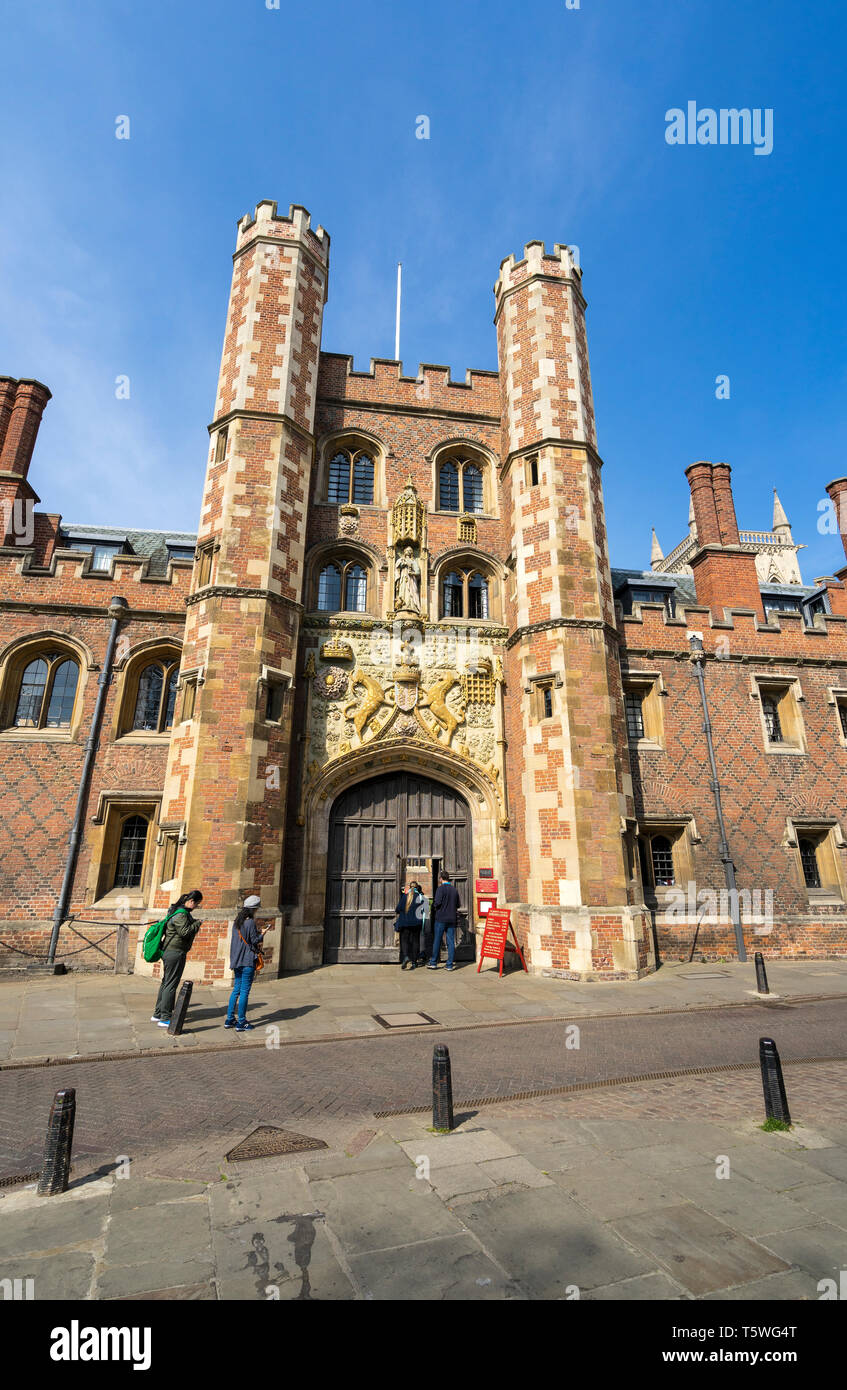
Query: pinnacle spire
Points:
[779, 517]
[656, 552]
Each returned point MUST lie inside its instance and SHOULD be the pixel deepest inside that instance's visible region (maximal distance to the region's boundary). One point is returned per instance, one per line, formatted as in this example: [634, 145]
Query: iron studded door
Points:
[375, 827]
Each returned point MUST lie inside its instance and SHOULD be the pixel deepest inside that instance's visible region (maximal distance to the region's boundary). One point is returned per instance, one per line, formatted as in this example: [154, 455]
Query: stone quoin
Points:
[395, 645]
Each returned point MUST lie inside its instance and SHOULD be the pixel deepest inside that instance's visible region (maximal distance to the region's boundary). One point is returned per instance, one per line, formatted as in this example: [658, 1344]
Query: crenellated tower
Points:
[570, 787]
[228, 767]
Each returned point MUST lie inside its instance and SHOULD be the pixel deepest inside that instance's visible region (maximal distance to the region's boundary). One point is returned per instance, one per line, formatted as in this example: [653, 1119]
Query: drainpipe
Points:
[698, 657]
[118, 610]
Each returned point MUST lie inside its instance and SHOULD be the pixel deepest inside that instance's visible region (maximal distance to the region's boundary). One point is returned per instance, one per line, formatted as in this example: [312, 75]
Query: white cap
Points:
[254, 901]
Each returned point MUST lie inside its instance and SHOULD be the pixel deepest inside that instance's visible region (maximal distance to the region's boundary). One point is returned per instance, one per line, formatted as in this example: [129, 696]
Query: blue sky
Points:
[546, 123]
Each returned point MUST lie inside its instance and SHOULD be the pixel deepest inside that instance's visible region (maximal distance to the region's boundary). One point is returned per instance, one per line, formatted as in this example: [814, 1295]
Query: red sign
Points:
[484, 906]
[488, 886]
[495, 942]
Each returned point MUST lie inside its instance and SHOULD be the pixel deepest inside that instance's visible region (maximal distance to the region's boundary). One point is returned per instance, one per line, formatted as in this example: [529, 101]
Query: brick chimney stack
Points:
[724, 574]
[21, 408]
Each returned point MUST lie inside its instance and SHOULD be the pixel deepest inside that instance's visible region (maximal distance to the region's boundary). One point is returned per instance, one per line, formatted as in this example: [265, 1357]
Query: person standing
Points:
[408, 924]
[445, 911]
[177, 940]
[244, 948]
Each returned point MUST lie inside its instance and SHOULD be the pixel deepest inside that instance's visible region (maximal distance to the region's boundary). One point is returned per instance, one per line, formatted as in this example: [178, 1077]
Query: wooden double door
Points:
[378, 828]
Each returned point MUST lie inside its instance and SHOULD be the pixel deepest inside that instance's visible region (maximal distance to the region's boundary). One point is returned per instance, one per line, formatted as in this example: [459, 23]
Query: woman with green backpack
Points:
[177, 938]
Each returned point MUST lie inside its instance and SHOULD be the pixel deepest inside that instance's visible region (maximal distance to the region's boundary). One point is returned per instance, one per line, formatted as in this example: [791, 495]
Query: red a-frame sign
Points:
[495, 942]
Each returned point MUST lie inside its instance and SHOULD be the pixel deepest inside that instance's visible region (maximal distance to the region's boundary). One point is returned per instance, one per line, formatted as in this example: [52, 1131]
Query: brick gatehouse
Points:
[395, 643]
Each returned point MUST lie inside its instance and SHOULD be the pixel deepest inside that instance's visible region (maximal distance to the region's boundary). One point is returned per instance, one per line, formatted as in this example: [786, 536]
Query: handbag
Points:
[260, 959]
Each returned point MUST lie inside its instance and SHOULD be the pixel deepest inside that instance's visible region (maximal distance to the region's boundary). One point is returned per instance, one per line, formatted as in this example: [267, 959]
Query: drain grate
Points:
[405, 1020]
[267, 1140]
[19, 1178]
[578, 1086]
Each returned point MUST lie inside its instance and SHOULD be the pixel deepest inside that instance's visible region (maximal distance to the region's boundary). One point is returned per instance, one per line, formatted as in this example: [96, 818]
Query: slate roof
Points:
[152, 543]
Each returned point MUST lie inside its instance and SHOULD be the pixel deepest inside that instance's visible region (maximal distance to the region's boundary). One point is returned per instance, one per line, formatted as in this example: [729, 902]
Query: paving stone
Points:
[514, 1170]
[662, 1160]
[609, 1190]
[702, 1253]
[450, 1269]
[259, 1260]
[832, 1161]
[647, 1288]
[178, 1230]
[794, 1286]
[382, 1152]
[776, 1170]
[144, 1192]
[372, 1215]
[746, 1206]
[259, 1197]
[825, 1199]
[65, 1275]
[122, 1281]
[547, 1243]
[462, 1146]
[52, 1223]
[820, 1248]
[182, 1293]
[460, 1178]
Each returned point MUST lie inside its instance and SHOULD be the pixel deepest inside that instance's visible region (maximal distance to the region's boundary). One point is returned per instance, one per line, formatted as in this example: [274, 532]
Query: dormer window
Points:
[102, 547]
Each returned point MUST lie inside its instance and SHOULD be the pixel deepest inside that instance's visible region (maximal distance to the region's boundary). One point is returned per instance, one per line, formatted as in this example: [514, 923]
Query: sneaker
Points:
[229, 1023]
[449, 967]
[154, 1018]
[431, 966]
[244, 1027]
[163, 1022]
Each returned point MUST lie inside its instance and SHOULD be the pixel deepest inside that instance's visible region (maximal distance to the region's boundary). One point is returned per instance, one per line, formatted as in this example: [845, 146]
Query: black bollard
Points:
[57, 1148]
[183, 1000]
[442, 1088]
[776, 1104]
[761, 974]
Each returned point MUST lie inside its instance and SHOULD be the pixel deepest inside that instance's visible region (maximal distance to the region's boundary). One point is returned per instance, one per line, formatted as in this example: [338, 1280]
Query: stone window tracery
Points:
[350, 477]
[343, 587]
[461, 486]
[47, 692]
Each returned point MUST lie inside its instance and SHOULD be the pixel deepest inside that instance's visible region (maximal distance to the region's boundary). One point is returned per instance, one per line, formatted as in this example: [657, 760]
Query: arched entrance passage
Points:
[376, 828]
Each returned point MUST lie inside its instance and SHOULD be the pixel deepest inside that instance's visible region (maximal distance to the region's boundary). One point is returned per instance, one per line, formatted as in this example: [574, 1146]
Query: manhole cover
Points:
[704, 975]
[404, 1020]
[266, 1141]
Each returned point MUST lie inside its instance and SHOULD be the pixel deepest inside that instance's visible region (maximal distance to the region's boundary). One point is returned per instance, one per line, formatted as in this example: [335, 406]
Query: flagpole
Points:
[397, 319]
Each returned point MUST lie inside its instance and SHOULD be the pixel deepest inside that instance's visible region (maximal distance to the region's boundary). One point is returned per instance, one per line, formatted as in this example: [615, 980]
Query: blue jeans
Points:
[243, 977]
[440, 929]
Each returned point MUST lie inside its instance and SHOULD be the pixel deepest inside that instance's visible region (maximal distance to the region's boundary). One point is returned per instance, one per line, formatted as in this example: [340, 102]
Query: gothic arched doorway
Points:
[376, 829]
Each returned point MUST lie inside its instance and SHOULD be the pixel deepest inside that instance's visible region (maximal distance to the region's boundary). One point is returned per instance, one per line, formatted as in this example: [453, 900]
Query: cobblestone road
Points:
[139, 1106]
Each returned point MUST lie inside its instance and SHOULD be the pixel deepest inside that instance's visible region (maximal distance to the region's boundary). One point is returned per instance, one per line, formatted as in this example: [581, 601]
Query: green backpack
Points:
[151, 949]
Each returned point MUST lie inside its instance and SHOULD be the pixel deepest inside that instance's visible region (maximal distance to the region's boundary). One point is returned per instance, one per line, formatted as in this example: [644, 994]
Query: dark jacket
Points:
[244, 952]
[411, 916]
[446, 904]
[180, 932]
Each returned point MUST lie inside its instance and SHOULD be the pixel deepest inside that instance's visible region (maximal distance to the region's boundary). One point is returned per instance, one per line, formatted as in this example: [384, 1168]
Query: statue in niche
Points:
[407, 582]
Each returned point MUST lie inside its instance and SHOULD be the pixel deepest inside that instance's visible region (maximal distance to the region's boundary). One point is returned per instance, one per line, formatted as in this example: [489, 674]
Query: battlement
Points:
[384, 382]
[560, 263]
[784, 639]
[297, 226]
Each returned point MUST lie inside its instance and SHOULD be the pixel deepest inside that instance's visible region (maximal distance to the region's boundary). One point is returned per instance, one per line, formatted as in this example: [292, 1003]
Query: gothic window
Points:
[448, 488]
[461, 486]
[842, 715]
[477, 597]
[634, 714]
[453, 592]
[351, 477]
[355, 589]
[809, 861]
[472, 488]
[465, 595]
[47, 692]
[155, 697]
[343, 587]
[131, 848]
[662, 856]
